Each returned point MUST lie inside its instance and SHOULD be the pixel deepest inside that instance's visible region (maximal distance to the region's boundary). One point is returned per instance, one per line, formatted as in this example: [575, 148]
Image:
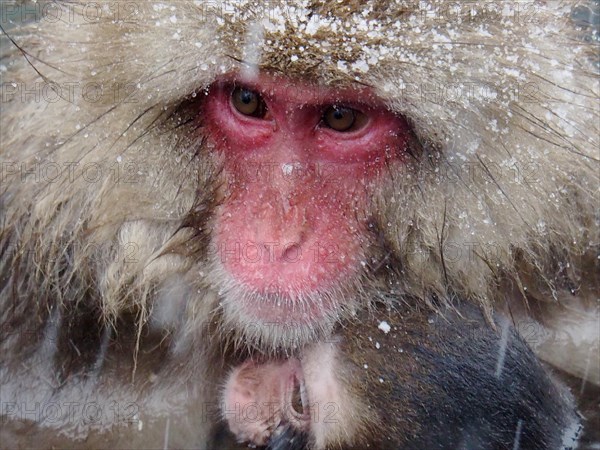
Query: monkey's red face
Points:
[299, 163]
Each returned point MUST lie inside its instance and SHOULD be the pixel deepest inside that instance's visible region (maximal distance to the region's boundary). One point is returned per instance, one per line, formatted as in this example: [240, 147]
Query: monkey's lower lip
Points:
[286, 309]
[294, 281]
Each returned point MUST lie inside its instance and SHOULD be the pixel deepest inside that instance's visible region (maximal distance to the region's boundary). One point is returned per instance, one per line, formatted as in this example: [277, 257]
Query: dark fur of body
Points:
[444, 383]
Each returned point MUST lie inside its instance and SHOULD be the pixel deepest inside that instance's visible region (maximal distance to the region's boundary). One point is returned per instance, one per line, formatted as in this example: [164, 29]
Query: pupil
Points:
[337, 114]
[247, 97]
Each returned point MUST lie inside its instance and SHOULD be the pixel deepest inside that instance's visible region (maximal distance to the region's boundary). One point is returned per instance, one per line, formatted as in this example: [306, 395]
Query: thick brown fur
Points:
[498, 200]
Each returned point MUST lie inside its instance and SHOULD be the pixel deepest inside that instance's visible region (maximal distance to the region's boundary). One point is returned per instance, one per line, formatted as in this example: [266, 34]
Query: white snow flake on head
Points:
[384, 326]
[253, 50]
[287, 169]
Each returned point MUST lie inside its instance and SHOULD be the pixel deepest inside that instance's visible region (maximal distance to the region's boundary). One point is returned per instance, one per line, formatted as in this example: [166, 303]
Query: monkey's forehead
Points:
[351, 41]
[394, 46]
[437, 63]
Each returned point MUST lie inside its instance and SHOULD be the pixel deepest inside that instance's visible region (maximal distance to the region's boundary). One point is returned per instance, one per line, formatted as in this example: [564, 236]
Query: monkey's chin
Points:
[282, 320]
[288, 309]
[285, 315]
[269, 326]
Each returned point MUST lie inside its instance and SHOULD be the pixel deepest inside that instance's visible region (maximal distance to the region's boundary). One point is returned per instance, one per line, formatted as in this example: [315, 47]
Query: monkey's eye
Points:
[341, 118]
[248, 103]
[297, 404]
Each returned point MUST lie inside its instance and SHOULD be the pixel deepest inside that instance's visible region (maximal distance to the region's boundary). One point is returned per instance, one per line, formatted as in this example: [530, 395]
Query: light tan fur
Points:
[497, 205]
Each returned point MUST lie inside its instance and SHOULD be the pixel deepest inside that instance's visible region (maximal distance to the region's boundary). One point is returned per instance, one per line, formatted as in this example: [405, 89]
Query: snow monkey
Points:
[187, 187]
